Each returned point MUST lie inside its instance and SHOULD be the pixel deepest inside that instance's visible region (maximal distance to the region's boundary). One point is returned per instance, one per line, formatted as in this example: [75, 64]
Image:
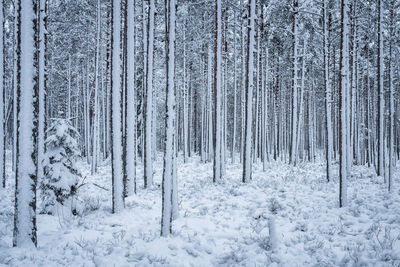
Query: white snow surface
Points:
[224, 224]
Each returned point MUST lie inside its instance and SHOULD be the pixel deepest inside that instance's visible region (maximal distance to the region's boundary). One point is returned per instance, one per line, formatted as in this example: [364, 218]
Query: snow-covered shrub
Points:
[61, 175]
[91, 204]
[384, 242]
[274, 206]
[265, 231]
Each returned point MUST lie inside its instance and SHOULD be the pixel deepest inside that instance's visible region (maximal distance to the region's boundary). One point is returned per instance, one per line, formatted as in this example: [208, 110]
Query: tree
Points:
[293, 156]
[343, 89]
[61, 174]
[247, 160]
[168, 186]
[96, 109]
[328, 93]
[27, 122]
[217, 136]
[392, 127]
[148, 106]
[116, 112]
[131, 101]
[381, 96]
[2, 99]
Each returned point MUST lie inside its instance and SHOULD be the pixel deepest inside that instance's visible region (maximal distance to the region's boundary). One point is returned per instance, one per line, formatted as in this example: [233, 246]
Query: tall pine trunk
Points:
[343, 89]
[131, 102]
[116, 111]
[218, 88]
[27, 123]
[381, 95]
[168, 184]
[2, 98]
[247, 160]
[148, 111]
[328, 95]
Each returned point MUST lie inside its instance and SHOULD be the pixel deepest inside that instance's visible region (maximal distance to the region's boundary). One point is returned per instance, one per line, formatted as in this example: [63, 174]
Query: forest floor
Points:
[286, 216]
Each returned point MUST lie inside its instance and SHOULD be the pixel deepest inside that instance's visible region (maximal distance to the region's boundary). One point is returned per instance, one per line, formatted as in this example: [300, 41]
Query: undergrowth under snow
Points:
[286, 216]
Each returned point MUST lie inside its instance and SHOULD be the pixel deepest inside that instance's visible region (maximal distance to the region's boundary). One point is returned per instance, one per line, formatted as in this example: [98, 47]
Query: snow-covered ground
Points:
[286, 216]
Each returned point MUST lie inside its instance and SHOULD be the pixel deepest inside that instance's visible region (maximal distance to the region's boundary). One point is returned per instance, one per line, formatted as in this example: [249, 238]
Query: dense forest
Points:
[146, 94]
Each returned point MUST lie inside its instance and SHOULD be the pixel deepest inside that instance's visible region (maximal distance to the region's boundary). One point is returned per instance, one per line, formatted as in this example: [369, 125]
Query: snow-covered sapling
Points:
[61, 175]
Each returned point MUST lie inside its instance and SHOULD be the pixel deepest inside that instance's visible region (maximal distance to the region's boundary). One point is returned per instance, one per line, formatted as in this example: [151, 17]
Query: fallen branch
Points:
[99, 186]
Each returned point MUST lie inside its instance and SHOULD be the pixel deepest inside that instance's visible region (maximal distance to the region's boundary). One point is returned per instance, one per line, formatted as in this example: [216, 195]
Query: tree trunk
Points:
[343, 89]
[27, 122]
[148, 114]
[116, 112]
[217, 173]
[247, 161]
[131, 102]
[381, 96]
[168, 184]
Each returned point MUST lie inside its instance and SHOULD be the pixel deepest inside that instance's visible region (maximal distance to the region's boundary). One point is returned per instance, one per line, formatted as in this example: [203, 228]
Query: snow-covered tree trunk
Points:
[131, 102]
[381, 94]
[96, 108]
[224, 80]
[217, 172]
[243, 89]
[353, 93]
[42, 85]
[116, 111]
[301, 117]
[87, 114]
[15, 83]
[343, 89]
[203, 110]
[256, 110]
[328, 94]
[168, 183]
[27, 122]
[265, 90]
[185, 101]
[295, 11]
[247, 160]
[148, 114]
[234, 91]
[391, 128]
[2, 98]
[210, 105]
[68, 115]
[392, 136]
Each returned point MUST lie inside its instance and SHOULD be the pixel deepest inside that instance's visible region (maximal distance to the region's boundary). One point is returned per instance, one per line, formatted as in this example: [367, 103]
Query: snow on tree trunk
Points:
[169, 177]
[116, 112]
[131, 102]
[15, 84]
[343, 88]
[2, 98]
[217, 172]
[96, 108]
[243, 89]
[392, 161]
[210, 109]
[185, 103]
[293, 155]
[42, 82]
[27, 122]
[247, 161]
[148, 114]
[69, 88]
[328, 95]
[301, 118]
[381, 94]
[234, 93]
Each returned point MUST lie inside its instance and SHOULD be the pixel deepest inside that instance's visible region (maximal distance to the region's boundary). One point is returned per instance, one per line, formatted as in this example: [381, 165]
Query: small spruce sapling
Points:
[61, 175]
